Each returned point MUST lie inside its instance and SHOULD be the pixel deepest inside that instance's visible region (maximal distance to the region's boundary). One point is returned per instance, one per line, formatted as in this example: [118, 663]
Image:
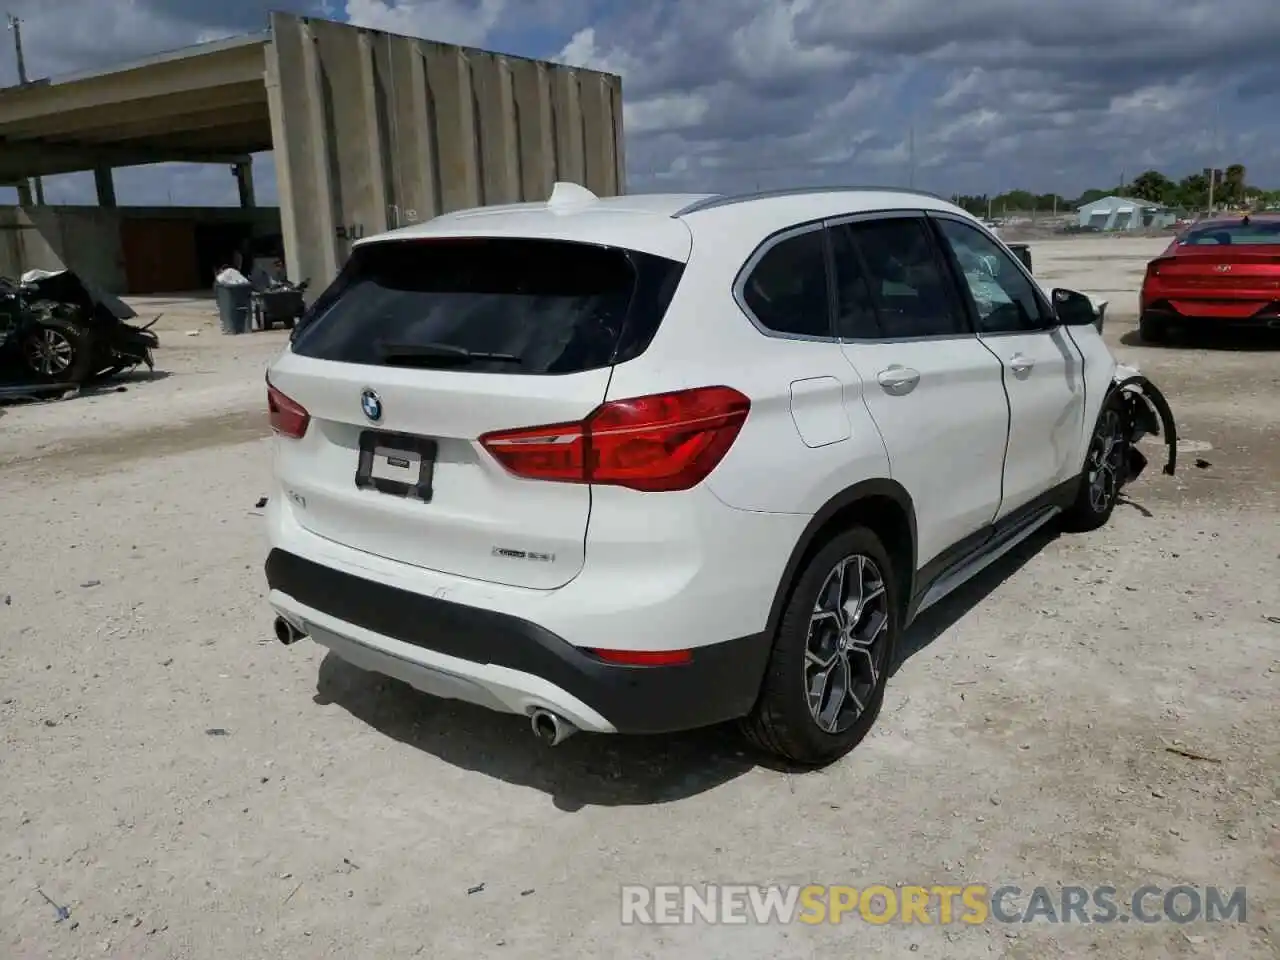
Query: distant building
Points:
[1125, 213]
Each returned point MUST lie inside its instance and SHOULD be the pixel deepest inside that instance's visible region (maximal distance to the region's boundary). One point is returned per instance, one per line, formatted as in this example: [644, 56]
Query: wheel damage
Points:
[1145, 412]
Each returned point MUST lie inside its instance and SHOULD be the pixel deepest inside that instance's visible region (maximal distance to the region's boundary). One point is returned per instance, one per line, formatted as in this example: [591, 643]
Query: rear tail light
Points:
[1153, 268]
[288, 418]
[666, 441]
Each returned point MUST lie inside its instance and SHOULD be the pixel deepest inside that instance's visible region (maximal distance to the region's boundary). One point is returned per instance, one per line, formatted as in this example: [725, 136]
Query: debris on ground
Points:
[1191, 754]
[262, 502]
[91, 583]
[476, 889]
[217, 732]
[63, 913]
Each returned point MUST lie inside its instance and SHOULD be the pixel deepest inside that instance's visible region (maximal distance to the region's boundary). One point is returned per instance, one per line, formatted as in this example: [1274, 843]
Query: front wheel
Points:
[832, 655]
[57, 351]
[1105, 467]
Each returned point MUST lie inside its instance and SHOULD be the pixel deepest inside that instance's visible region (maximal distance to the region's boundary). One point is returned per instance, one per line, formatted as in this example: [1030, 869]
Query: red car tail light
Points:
[288, 418]
[1153, 268]
[666, 441]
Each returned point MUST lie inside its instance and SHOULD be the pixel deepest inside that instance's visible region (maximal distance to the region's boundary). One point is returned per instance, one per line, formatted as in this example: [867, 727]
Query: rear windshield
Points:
[506, 305]
[1221, 234]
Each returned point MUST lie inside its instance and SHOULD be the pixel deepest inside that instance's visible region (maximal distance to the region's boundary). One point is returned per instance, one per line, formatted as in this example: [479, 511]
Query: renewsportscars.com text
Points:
[936, 904]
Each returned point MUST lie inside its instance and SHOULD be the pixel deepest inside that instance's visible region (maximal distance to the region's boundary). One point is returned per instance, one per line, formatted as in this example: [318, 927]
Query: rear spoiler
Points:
[1146, 413]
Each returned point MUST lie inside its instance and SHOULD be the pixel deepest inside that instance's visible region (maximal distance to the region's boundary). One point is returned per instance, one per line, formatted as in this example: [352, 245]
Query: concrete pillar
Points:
[24, 192]
[103, 180]
[244, 182]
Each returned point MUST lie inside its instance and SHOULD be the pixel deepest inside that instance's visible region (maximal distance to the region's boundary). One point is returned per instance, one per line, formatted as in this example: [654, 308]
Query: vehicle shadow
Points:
[1225, 340]
[938, 619]
[585, 770]
[611, 771]
[122, 382]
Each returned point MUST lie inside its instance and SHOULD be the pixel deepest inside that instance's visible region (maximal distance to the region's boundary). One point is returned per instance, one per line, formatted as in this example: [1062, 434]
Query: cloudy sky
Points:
[1047, 95]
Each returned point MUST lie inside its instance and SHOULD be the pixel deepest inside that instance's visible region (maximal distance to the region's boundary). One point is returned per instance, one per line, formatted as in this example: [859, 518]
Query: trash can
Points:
[234, 296]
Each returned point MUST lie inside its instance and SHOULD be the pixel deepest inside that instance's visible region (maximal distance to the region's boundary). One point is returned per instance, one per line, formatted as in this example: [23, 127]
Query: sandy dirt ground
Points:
[179, 785]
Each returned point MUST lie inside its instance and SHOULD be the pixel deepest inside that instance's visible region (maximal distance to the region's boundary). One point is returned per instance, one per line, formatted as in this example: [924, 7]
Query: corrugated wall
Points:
[374, 130]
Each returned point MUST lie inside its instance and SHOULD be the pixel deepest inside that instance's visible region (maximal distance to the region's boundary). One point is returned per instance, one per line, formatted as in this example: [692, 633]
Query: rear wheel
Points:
[832, 655]
[1104, 469]
[1153, 329]
[57, 351]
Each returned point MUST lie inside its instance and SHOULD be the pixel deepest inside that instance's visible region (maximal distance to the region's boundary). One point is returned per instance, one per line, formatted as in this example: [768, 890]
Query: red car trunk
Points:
[1227, 281]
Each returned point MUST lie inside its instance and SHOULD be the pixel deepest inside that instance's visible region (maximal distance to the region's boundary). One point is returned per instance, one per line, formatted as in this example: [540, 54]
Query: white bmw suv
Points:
[649, 463]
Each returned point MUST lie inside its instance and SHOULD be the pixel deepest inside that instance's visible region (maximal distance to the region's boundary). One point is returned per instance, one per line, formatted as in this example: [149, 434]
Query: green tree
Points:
[1091, 195]
[1193, 191]
[1233, 186]
[1153, 186]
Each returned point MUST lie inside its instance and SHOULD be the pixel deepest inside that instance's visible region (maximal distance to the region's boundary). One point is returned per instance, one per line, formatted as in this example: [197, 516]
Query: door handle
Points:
[898, 380]
[1021, 365]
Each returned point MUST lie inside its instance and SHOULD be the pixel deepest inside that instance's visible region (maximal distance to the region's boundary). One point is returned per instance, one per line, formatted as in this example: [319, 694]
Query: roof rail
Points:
[729, 199]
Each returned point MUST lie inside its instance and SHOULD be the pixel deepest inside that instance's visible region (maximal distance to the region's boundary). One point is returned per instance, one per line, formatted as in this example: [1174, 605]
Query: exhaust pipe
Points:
[550, 728]
[286, 632]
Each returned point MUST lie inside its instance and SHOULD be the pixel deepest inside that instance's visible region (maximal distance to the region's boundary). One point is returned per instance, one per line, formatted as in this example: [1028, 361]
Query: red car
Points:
[1224, 271]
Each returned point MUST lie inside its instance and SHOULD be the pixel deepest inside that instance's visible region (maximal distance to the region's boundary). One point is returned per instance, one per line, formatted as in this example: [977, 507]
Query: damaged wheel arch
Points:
[1146, 412]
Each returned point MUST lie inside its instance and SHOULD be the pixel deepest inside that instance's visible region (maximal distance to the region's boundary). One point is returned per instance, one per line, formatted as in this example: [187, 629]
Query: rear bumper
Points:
[506, 663]
[1217, 313]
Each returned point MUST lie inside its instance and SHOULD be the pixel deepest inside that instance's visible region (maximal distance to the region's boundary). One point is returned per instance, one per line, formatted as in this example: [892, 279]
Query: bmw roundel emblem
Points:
[371, 404]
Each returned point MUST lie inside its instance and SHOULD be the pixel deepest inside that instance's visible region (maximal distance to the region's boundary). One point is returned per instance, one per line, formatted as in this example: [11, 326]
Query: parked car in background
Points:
[1219, 272]
[642, 464]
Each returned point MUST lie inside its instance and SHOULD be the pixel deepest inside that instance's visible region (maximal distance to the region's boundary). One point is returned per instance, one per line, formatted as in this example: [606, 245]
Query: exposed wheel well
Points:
[883, 514]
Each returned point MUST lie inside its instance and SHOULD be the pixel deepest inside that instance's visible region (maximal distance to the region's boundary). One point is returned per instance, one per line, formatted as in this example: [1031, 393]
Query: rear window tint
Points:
[544, 306]
[1230, 234]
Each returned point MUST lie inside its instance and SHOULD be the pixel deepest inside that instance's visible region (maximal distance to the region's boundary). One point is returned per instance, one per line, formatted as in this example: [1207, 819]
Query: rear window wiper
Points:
[437, 355]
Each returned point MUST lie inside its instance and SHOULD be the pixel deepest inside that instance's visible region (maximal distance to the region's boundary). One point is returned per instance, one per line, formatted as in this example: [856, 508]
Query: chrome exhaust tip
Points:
[550, 728]
[286, 632]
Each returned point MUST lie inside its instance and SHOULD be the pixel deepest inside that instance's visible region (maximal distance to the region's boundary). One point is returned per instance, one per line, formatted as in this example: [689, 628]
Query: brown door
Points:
[160, 255]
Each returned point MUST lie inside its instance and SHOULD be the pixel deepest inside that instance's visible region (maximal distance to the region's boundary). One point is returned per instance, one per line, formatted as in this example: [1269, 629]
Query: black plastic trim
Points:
[878, 487]
[720, 683]
[971, 547]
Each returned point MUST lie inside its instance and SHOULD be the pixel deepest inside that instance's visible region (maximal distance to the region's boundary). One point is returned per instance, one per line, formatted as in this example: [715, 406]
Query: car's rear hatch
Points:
[443, 340]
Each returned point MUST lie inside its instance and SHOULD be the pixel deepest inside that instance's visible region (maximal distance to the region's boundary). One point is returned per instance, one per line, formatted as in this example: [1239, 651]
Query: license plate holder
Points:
[397, 464]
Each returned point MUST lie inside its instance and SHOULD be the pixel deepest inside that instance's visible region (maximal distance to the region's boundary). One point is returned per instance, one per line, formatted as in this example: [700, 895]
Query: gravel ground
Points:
[186, 788]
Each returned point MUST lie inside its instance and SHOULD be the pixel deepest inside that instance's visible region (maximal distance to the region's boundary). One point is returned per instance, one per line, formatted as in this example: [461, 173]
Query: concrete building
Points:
[370, 130]
[1125, 213]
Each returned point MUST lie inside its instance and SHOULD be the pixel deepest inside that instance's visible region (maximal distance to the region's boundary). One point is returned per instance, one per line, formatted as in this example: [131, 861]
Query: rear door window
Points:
[506, 305]
[903, 272]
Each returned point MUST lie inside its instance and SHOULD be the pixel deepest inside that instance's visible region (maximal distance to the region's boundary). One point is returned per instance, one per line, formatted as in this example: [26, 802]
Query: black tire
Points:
[55, 350]
[1100, 487]
[1153, 329]
[782, 722]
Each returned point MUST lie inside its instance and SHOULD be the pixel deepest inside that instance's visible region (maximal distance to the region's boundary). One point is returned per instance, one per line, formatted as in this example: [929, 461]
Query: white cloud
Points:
[448, 21]
[1056, 95]
[680, 111]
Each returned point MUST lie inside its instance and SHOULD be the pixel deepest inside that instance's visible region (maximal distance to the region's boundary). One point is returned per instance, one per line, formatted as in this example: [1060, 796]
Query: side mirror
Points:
[1073, 309]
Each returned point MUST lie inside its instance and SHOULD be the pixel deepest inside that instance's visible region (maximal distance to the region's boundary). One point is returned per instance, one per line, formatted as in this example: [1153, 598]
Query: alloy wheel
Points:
[845, 648]
[49, 352]
[1106, 458]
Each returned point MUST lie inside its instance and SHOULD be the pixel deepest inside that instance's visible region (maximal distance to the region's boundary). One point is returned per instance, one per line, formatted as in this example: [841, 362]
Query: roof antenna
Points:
[565, 195]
